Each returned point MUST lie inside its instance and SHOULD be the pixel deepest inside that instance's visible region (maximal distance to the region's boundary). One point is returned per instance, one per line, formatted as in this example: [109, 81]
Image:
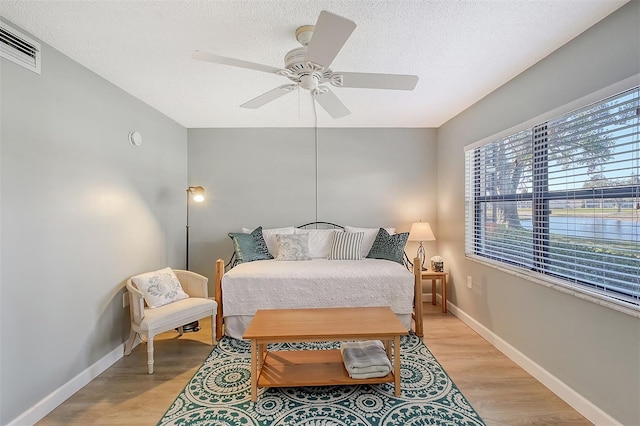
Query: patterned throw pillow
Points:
[389, 247]
[159, 287]
[293, 247]
[346, 246]
[250, 247]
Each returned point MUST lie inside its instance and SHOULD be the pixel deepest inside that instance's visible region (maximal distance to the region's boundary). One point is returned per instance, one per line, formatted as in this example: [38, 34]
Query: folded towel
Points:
[374, 369]
[361, 344]
[365, 359]
[371, 375]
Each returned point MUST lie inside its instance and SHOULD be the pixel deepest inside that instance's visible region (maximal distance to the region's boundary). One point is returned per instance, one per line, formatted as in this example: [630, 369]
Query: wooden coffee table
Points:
[318, 367]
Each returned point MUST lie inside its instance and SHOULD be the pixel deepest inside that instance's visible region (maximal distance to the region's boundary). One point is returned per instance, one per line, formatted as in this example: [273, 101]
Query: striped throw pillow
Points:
[346, 246]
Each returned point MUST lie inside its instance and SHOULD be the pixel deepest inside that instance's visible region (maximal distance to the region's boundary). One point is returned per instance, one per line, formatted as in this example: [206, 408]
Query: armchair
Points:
[147, 322]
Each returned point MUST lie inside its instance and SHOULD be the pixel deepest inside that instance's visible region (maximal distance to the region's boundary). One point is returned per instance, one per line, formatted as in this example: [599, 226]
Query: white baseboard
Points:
[57, 397]
[579, 403]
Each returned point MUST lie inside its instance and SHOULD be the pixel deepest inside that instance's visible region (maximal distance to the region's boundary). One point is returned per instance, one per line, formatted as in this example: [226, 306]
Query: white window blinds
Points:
[562, 199]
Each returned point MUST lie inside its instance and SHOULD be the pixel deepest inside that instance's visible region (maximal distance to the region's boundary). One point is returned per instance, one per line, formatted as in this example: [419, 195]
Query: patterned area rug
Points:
[220, 394]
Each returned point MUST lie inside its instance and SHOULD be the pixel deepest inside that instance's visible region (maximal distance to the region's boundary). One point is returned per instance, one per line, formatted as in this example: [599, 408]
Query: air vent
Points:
[19, 48]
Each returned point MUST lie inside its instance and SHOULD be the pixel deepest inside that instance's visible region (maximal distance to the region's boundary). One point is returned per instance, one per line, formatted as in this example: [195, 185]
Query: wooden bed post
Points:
[218, 297]
[417, 296]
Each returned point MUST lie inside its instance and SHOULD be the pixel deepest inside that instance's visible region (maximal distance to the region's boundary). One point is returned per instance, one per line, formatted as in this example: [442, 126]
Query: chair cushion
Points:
[159, 287]
[174, 314]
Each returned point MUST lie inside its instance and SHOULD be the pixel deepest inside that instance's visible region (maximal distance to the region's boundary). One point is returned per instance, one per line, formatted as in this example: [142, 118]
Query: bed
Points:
[321, 280]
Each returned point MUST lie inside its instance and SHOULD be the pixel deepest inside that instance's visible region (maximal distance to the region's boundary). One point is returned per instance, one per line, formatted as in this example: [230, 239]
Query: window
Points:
[561, 200]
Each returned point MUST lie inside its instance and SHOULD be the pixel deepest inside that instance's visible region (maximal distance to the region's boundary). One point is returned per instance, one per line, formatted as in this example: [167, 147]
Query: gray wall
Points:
[593, 349]
[252, 177]
[81, 211]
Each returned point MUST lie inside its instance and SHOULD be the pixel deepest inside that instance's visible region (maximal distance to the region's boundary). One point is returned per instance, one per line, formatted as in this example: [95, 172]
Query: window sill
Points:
[567, 288]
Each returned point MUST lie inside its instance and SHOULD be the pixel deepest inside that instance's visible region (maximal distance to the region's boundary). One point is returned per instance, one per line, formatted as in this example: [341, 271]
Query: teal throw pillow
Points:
[250, 247]
[261, 244]
[389, 247]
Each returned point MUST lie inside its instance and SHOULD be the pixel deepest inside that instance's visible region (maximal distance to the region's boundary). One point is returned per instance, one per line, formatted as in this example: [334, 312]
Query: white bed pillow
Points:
[270, 237]
[293, 247]
[159, 287]
[369, 237]
[319, 241]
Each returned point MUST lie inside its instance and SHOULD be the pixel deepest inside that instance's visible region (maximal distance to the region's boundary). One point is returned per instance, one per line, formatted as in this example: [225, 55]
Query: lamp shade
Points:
[421, 231]
[198, 193]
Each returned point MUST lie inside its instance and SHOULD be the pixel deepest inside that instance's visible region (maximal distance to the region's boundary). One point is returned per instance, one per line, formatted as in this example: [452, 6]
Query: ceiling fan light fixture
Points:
[309, 81]
[304, 34]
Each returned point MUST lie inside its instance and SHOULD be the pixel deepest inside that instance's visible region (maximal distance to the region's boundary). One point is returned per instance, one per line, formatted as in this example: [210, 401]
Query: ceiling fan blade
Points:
[271, 95]
[330, 102]
[329, 35]
[379, 81]
[217, 59]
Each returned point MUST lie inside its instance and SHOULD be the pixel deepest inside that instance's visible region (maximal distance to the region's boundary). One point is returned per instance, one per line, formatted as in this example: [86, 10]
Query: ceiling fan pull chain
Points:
[315, 127]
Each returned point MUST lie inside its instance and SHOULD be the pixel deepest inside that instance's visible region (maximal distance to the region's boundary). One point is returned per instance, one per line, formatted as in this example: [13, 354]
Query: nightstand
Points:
[434, 276]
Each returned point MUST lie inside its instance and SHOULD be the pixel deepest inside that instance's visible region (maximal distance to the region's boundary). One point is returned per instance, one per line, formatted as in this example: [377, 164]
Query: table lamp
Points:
[421, 232]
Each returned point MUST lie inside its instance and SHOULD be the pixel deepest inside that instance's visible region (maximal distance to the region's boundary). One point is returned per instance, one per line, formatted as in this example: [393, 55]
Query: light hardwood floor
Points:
[500, 391]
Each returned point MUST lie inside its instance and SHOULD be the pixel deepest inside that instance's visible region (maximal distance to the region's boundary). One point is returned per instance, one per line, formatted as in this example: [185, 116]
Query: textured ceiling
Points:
[461, 51]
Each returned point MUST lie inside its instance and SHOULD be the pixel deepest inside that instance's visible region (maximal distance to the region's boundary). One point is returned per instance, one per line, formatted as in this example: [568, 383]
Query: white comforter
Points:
[318, 283]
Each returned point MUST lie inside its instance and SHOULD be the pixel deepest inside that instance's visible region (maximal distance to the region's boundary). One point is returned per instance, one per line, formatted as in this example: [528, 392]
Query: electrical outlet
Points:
[125, 299]
[469, 281]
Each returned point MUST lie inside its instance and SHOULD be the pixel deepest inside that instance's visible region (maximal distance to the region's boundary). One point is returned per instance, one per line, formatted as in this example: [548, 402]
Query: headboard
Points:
[320, 225]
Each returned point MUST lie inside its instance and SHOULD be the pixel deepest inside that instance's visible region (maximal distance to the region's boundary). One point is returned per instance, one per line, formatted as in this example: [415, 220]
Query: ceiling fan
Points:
[308, 67]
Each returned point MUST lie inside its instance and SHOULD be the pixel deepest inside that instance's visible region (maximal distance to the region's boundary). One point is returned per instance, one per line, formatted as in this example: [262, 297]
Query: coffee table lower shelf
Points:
[309, 368]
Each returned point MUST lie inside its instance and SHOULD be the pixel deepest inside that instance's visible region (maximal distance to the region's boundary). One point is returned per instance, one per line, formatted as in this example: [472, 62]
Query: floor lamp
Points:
[197, 193]
[421, 231]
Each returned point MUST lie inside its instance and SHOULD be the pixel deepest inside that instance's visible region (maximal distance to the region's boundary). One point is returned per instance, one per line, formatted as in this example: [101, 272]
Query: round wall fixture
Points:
[135, 138]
